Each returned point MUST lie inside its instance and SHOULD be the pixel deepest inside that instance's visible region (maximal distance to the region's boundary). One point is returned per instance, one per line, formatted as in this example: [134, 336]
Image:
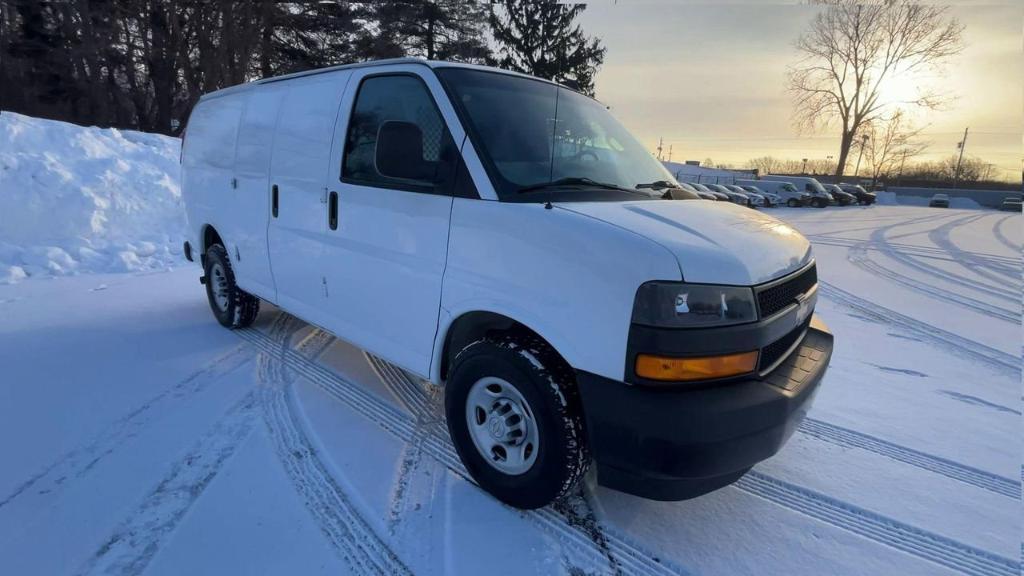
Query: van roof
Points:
[367, 64]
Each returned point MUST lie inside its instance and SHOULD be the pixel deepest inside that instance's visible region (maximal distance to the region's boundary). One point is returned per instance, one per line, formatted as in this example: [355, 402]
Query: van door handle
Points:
[273, 200]
[332, 211]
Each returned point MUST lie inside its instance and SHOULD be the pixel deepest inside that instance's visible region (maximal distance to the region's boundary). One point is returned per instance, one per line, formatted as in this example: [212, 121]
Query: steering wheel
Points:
[585, 154]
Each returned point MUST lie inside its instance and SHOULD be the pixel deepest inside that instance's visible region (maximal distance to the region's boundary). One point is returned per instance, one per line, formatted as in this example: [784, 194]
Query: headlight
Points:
[680, 305]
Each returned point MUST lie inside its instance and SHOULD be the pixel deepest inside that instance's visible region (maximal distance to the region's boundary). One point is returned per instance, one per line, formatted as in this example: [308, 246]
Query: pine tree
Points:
[544, 40]
[435, 29]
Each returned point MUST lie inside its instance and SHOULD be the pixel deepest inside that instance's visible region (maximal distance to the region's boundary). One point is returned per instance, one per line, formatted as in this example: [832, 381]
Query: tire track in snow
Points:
[989, 260]
[958, 345]
[138, 537]
[424, 405]
[940, 236]
[852, 439]
[78, 462]
[632, 557]
[1000, 273]
[878, 528]
[858, 255]
[336, 515]
[1002, 237]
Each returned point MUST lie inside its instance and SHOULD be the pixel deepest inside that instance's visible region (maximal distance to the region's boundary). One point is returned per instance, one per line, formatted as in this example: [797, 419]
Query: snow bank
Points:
[76, 199]
[893, 199]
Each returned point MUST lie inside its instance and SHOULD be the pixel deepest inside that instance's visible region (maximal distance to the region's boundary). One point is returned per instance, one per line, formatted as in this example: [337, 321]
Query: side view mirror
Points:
[399, 152]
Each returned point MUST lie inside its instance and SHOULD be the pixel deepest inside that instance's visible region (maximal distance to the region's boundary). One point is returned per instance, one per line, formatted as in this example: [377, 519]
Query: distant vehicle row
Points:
[771, 191]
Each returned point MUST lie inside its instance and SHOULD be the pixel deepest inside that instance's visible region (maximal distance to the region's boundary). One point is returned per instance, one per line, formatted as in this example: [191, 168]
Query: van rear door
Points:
[388, 212]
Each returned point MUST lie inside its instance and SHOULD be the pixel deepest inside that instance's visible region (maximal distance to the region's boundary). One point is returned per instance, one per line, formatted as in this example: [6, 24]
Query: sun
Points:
[900, 89]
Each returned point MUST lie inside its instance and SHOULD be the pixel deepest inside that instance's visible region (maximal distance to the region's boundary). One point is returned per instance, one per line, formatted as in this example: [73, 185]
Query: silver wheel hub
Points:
[502, 425]
[219, 286]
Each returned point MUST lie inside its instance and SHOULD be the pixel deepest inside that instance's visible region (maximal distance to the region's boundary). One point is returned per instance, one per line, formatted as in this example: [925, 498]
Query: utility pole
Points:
[961, 145]
[899, 178]
[863, 143]
[804, 169]
[660, 142]
[669, 152]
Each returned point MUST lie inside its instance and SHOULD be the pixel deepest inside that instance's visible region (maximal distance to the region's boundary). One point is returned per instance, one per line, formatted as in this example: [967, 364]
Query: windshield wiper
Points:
[574, 182]
[656, 185]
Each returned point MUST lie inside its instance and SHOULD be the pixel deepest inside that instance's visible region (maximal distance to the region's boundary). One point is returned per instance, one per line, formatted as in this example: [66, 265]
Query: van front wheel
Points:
[515, 418]
[232, 306]
[792, 203]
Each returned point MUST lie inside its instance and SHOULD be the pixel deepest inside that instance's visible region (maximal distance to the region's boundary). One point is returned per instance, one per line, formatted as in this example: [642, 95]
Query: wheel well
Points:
[210, 237]
[473, 326]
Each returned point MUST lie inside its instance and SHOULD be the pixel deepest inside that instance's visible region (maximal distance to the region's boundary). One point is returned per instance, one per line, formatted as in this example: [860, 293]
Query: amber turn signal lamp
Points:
[685, 369]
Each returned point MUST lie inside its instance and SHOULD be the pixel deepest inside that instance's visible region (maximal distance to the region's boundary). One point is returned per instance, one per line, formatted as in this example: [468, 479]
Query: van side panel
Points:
[251, 214]
[208, 163]
[569, 277]
[298, 167]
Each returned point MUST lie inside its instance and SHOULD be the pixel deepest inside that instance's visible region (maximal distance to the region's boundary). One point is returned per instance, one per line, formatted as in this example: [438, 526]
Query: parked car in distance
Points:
[734, 197]
[426, 213]
[1011, 204]
[720, 196]
[786, 191]
[939, 201]
[704, 195]
[819, 196]
[755, 198]
[771, 199]
[670, 190]
[841, 197]
[863, 196]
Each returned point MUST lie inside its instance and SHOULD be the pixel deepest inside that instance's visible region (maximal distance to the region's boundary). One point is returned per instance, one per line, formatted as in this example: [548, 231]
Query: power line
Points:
[681, 139]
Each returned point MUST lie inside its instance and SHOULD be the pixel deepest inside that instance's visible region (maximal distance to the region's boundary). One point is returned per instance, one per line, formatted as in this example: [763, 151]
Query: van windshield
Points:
[547, 139]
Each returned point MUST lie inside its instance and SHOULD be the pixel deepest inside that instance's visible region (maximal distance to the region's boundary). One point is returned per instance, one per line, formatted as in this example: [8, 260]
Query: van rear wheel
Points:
[516, 420]
[232, 306]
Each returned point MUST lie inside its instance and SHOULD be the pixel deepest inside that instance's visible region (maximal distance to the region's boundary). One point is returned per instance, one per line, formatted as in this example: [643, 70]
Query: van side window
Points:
[397, 138]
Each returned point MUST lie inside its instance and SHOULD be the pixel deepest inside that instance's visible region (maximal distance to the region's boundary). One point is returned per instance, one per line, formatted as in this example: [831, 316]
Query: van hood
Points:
[714, 242]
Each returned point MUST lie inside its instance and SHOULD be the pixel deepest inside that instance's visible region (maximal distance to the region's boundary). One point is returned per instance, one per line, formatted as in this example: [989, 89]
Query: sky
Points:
[710, 80]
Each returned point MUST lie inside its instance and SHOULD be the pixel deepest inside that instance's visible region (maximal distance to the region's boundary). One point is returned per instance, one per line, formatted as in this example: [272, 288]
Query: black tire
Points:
[820, 202]
[548, 385]
[792, 203]
[236, 308]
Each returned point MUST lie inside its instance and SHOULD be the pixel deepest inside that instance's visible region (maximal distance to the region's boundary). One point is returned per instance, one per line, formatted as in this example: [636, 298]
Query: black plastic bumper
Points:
[673, 443]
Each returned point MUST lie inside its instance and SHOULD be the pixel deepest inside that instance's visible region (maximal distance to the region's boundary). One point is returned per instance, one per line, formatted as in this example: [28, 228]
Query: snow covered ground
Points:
[138, 436]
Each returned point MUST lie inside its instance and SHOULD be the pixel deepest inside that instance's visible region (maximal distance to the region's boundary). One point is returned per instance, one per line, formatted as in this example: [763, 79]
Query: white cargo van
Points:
[504, 237]
[786, 191]
[819, 196]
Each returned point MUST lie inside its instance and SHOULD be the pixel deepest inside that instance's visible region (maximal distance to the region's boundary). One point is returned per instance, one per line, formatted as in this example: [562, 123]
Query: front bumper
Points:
[676, 442]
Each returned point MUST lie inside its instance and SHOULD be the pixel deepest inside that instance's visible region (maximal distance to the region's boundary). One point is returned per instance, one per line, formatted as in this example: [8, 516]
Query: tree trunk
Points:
[844, 152]
[266, 38]
[431, 16]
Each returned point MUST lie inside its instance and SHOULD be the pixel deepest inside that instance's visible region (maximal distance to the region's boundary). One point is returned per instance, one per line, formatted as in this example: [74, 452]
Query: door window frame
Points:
[402, 186]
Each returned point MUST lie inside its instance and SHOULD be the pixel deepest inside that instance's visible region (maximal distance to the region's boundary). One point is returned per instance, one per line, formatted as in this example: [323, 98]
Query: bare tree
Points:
[972, 170]
[765, 164]
[890, 143]
[853, 50]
